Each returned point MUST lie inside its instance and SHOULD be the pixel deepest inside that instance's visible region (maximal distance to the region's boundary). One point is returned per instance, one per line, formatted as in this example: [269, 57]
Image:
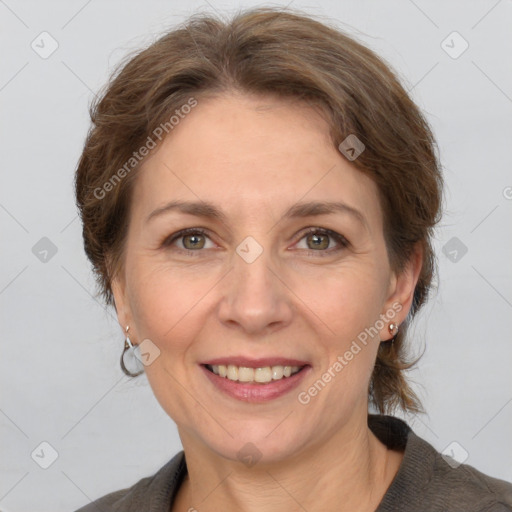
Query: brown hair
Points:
[280, 52]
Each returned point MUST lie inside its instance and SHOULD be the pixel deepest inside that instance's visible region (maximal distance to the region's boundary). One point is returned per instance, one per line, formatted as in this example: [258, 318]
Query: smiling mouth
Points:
[248, 375]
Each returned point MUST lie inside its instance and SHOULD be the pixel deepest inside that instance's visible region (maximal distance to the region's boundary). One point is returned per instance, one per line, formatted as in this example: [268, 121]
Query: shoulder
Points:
[153, 493]
[428, 481]
[462, 486]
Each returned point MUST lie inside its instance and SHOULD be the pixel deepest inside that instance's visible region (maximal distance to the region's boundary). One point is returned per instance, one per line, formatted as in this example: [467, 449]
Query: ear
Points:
[401, 292]
[121, 303]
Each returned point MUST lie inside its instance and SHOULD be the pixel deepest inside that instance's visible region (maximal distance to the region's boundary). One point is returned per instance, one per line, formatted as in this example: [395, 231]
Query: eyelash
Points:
[340, 239]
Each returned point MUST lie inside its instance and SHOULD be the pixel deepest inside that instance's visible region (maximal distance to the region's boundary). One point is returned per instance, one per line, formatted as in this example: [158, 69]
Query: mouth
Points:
[249, 375]
[255, 383]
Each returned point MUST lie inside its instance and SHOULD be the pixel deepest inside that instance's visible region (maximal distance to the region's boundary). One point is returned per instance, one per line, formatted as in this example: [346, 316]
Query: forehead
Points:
[251, 155]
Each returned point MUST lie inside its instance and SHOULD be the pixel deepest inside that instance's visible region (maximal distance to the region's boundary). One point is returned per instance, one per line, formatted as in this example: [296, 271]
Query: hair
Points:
[290, 55]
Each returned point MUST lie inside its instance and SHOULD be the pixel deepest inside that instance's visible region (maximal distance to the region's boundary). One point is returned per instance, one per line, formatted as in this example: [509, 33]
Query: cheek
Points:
[347, 303]
[347, 299]
[348, 306]
[168, 307]
[165, 302]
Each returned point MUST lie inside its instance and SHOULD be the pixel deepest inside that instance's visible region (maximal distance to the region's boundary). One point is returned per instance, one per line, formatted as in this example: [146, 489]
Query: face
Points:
[263, 277]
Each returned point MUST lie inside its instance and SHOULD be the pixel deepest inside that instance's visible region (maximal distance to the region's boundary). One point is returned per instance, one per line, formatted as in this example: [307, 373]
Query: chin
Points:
[257, 442]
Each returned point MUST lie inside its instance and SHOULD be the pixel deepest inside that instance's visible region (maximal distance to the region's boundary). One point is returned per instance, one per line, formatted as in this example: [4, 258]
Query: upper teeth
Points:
[245, 374]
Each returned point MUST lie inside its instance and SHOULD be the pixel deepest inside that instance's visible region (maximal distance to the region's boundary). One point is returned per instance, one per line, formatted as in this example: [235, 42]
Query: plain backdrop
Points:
[60, 379]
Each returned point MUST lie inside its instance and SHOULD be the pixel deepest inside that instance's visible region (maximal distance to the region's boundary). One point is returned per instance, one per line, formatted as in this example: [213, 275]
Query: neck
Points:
[350, 471]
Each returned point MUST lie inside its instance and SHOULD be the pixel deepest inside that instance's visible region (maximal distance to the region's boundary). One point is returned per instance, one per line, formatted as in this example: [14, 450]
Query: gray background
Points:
[60, 379]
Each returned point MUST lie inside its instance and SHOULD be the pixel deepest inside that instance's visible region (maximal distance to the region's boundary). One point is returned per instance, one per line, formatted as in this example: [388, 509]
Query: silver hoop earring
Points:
[128, 356]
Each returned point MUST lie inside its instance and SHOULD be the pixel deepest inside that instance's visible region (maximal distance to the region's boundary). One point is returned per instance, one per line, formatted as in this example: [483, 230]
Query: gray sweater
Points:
[425, 482]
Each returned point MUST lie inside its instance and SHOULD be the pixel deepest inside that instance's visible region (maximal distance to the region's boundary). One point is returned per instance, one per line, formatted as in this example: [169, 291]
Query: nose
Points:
[255, 298]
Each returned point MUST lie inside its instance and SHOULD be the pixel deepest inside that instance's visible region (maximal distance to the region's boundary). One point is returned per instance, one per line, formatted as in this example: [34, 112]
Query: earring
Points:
[129, 354]
[393, 330]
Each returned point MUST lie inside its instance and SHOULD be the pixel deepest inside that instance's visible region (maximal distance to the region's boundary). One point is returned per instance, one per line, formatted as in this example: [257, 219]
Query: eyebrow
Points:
[298, 210]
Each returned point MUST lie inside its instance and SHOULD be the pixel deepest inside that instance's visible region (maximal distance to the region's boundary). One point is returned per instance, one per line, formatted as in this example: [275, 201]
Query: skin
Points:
[254, 158]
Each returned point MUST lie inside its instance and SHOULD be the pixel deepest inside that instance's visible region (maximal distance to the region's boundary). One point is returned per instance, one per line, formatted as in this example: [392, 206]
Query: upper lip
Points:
[255, 363]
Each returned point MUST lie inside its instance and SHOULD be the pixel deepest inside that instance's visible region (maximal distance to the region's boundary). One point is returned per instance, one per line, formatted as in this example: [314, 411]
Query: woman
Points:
[258, 198]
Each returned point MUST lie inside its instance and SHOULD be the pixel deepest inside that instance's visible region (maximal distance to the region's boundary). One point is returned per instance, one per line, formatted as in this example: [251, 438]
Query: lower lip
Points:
[256, 392]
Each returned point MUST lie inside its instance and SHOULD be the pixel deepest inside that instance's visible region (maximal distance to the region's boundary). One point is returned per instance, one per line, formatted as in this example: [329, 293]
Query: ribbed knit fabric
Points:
[425, 482]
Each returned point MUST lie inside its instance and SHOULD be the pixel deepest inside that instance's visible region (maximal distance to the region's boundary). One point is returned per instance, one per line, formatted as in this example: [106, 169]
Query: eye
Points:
[189, 240]
[321, 240]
